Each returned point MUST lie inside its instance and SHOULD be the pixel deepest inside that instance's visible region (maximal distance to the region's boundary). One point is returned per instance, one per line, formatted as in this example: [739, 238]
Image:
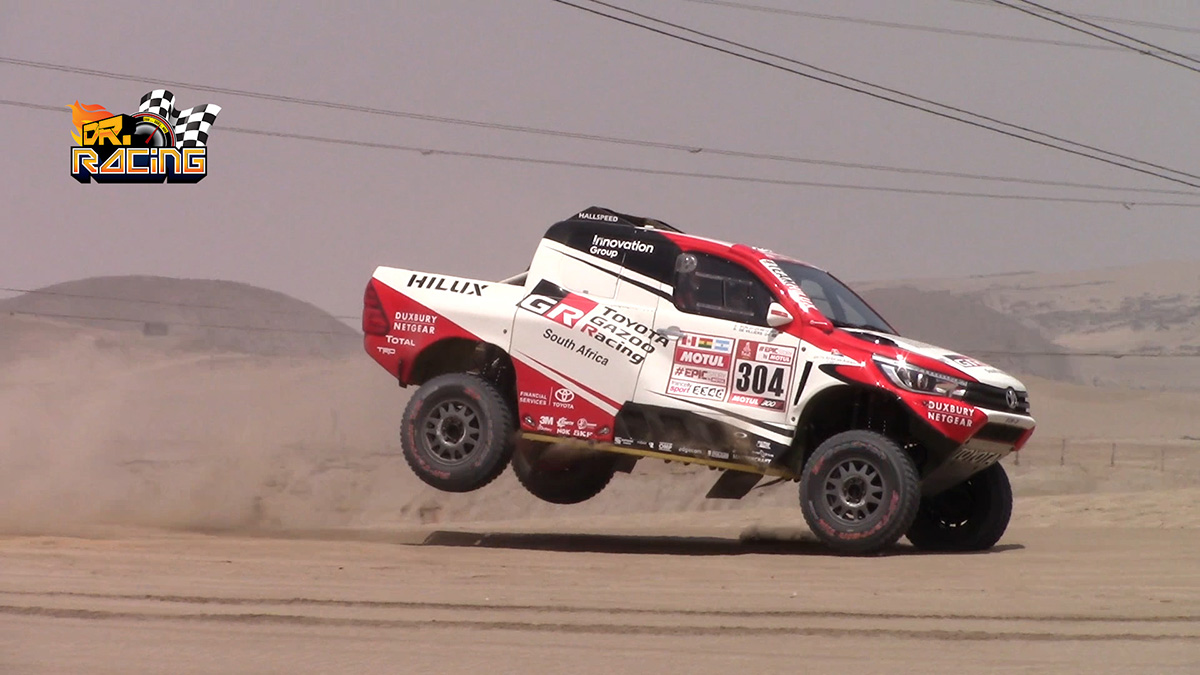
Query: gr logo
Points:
[568, 311]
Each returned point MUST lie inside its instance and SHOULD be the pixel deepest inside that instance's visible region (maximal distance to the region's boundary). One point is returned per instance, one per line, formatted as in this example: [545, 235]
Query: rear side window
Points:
[721, 289]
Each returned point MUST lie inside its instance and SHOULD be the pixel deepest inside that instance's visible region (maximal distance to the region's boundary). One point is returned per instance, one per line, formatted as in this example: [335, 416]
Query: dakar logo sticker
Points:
[153, 145]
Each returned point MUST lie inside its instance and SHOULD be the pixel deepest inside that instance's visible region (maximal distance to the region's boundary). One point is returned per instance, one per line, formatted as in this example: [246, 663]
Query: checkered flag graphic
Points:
[160, 102]
[191, 126]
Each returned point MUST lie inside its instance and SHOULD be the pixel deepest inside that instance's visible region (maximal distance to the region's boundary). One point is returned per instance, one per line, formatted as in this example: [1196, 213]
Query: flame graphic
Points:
[82, 113]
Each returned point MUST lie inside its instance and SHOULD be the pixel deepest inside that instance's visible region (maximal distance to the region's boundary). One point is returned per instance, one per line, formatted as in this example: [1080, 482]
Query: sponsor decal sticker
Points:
[794, 290]
[705, 375]
[604, 328]
[946, 412]
[700, 358]
[532, 397]
[588, 215]
[978, 458]
[700, 367]
[415, 322]
[762, 375]
[433, 282]
[696, 390]
[611, 247]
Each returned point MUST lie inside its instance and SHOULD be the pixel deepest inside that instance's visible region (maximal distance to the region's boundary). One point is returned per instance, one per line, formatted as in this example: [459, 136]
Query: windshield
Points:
[834, 299]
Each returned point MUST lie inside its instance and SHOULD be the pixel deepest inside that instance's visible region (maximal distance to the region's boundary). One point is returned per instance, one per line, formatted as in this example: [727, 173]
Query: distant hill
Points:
[1140, 311]
[193, 314]
[966, 324]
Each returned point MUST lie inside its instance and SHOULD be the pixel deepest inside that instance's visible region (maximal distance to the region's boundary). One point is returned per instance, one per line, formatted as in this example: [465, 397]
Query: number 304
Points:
[759, 379]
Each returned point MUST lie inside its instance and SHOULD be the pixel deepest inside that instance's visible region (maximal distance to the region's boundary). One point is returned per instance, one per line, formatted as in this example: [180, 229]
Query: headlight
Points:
[921, 380]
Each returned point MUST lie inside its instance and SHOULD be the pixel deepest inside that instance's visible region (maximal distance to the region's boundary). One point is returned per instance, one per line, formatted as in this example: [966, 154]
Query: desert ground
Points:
[174, 505]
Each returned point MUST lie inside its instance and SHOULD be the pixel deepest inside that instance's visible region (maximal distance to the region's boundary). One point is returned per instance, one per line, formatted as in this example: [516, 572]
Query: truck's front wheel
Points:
[457, 432]
[971, 516]
[859, 492]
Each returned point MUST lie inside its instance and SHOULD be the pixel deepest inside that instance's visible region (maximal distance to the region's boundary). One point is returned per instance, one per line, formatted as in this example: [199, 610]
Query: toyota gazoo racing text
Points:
[627, 339]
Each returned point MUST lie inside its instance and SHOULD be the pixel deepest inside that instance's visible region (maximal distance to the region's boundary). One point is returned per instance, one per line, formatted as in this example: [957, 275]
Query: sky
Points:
[313, 219]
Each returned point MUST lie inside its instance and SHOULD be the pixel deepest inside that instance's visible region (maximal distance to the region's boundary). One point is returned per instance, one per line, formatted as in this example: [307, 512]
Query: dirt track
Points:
[1083, 600]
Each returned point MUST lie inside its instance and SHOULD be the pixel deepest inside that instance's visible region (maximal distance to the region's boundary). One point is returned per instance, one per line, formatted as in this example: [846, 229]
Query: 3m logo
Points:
[567, 311]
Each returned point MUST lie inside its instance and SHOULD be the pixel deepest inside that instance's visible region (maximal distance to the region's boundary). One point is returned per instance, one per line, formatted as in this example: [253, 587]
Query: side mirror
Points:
[777, 316]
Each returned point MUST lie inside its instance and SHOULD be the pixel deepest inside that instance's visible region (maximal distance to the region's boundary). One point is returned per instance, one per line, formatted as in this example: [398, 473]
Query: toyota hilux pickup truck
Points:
[628, 339]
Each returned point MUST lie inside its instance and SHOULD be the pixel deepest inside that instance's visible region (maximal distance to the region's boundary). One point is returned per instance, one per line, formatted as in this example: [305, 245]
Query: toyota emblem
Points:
[566, 396]
[1010, 397]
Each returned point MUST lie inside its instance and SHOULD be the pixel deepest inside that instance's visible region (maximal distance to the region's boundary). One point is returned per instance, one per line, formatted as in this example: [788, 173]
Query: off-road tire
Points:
[971, 516]
[859, 492]
[565, 481]
[457, 432]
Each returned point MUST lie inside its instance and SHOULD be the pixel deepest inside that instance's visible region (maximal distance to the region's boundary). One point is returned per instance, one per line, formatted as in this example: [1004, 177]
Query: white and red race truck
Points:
[627, 339]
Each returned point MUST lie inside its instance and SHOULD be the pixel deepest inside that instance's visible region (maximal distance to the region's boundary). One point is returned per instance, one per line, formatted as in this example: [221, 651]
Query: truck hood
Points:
[972, 367]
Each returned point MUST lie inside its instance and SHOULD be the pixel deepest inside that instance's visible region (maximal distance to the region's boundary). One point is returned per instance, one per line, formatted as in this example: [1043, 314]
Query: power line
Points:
[166, 303]
[1155, 51]
[678, 147]
[1109, 19]
[898, 25]
[843, 85]
[425, 151]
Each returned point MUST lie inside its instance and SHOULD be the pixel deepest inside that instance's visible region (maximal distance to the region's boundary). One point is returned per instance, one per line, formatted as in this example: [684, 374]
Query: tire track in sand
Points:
[566, 619]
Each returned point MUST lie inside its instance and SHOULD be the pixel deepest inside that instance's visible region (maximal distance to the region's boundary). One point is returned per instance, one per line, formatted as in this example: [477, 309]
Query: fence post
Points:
[1062, 453]
[1112, 458]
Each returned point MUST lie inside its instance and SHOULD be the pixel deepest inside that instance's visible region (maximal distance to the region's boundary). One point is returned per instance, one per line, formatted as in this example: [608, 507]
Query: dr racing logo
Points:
[626, 336]
[153, 145]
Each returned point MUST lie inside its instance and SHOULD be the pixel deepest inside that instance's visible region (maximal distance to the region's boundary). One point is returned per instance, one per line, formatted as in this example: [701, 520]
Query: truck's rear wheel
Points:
[859, 492]
[971, 516]
[554, 474]
[457, 432]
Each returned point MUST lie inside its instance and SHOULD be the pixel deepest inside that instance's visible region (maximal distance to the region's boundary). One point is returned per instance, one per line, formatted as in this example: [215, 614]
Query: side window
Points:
[711, 286]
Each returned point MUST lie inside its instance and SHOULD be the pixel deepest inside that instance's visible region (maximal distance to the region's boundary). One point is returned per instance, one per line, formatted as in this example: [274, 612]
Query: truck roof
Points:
[605, 222]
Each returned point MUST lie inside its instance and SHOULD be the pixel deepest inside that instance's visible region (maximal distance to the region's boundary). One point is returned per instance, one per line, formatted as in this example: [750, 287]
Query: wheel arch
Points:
[849, 407]
[464, 355]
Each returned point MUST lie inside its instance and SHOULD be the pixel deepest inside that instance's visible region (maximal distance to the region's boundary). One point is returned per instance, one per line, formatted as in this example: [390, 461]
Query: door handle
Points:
[670, 332]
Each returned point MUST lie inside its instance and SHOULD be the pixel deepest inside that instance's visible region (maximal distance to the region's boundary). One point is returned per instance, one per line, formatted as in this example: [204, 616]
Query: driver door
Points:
[724, 361]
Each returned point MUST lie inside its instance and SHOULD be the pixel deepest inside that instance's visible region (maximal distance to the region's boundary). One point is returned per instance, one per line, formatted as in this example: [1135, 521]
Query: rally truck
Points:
[628, 339]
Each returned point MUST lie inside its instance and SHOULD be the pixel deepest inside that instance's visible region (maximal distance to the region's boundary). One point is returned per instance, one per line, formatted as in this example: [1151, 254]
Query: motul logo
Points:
[701, 358]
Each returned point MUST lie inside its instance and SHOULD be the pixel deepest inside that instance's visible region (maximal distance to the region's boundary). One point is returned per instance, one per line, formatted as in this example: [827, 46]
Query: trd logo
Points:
[569, 311]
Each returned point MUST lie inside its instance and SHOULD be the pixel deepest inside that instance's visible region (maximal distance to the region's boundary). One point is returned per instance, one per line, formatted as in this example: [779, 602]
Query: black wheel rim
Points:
[953, 509]
[452, 431]
[853, 491]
